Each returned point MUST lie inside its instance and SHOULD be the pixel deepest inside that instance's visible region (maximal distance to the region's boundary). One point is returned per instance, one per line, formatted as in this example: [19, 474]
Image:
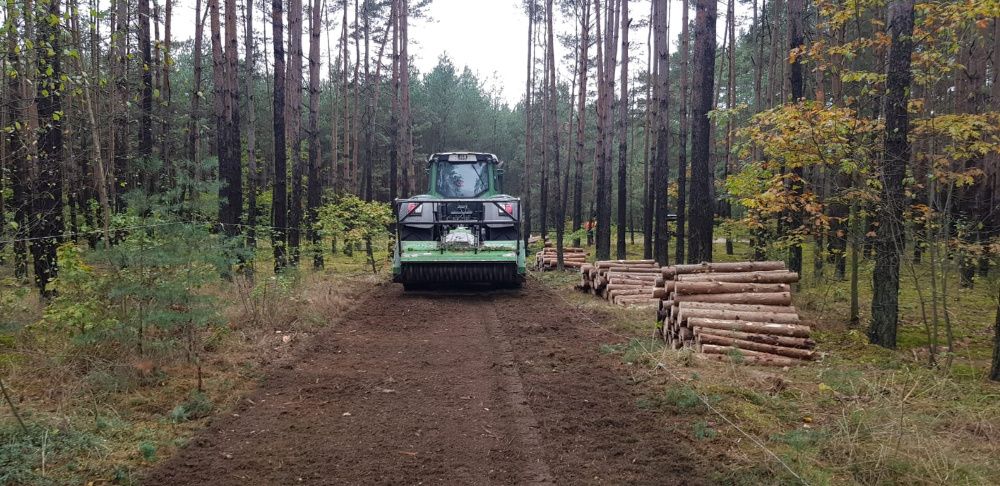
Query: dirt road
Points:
[490, 388]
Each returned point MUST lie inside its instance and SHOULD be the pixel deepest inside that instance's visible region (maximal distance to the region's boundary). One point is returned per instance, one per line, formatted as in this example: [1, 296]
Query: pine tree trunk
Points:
[701, 224]
[726, 208]
[661, 168]
[146, 96]
[47, 198]
[15, 148]
[560, 220]
[649, 195]
[279, 206]
[293, 106]
[314, 189]
[543, 176]
[889, 238]
[406, 121]
[581, 120]
[394, 131]
[165, 95]
[344, 169]
[682, 165]
[232, 178]
[623, 113]
[120, 173]
[194, 125]
[528, 132]
[253, 178]
[796, 12]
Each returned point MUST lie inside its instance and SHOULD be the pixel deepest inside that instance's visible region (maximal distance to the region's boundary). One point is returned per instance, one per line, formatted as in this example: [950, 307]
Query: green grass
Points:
[862, 415]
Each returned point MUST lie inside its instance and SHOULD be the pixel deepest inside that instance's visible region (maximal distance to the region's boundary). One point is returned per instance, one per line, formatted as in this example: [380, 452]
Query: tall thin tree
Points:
[896, 155]
[279, 205]
[623, 115]
[293, 106]
[581, 119]
[314, 188]
[701, 222]
[47, 194]
[682, 139]
[661, 168]
[553, 98]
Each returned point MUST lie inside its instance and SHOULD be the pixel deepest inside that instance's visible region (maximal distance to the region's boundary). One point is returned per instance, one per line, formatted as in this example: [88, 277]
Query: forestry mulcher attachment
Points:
[464, 230]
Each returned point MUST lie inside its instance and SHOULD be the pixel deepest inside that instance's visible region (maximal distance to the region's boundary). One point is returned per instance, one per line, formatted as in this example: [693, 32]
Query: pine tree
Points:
[702, 206]
[889, 238]
[279, 205]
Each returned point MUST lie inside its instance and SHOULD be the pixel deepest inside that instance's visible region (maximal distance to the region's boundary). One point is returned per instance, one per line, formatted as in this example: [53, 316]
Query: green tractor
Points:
[463, 231]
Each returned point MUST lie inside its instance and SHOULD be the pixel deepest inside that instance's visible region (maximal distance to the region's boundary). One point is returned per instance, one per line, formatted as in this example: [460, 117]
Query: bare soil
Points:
[458, 388]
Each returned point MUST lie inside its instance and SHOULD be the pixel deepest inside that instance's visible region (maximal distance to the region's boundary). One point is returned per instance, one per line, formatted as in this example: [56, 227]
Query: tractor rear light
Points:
[414, 209]
[508, 208]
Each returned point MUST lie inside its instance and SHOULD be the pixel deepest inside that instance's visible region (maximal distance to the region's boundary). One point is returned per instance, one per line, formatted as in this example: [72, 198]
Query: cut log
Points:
[728, 315]
[707, 338]
[777, 298]
[610, 263]
[783, 309]
[753, 360]
[692, 288]
[639, 276]
[776, 276]
[723, 267]
[631, 269]
[644, 293]
[792, 330]
[623, 286]
[788, 342]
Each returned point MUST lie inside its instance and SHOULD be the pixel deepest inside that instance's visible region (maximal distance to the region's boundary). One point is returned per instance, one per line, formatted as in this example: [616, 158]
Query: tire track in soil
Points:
[491, 388]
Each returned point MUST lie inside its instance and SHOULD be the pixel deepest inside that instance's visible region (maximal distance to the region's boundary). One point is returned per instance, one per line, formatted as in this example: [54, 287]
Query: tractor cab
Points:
[464, 229]
[463, 175]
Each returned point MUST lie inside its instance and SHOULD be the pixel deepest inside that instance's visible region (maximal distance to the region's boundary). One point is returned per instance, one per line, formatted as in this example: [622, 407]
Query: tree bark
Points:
[701, 213]
[775, 329]
[146, 96]
[796, 12]
[394, 130]
[16, 147]
[293, 105]
[528, 132]
[623, 114]
[314, 189]
[661, 168]
[682, 147]
[279, 206]
[231, 202]
[194, 125]
[889, 238]
[560, 220]
[47, 199]
[406, 120]
[253, 177]
[581, 120]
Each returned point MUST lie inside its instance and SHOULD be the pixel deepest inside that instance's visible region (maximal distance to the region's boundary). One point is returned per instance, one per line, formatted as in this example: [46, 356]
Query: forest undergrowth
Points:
[861, 415]
[96, 408]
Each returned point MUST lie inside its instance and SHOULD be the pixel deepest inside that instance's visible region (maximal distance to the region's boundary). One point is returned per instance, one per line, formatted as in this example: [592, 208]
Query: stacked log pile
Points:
[626, 283]
[723, 308]
[546, 259]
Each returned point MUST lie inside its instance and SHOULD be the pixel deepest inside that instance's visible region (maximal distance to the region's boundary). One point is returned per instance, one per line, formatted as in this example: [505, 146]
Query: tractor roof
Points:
[462, 157]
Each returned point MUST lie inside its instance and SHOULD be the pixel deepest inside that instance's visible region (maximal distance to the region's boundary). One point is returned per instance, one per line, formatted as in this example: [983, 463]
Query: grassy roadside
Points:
[92, 419]
[861, 415]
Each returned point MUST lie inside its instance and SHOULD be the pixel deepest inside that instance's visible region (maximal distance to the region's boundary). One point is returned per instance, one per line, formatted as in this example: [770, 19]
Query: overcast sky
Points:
[488, 36]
